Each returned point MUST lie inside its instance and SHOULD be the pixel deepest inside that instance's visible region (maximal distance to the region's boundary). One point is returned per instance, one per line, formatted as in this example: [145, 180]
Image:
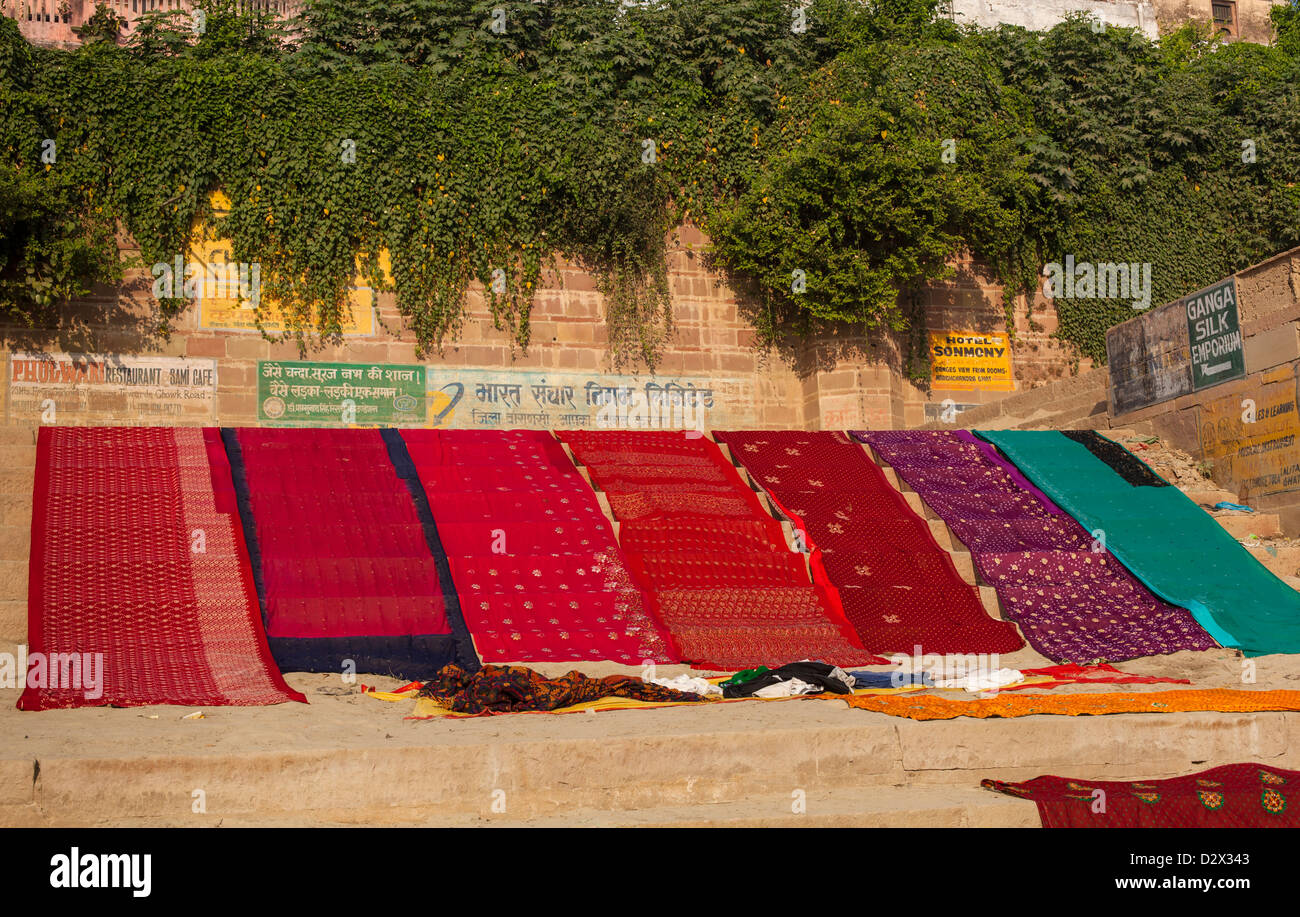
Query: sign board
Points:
[1149, 359]
[971, 361]
[1181, 347]
[304, 393]
[107, 389]
[1214, 335]
[540, 400]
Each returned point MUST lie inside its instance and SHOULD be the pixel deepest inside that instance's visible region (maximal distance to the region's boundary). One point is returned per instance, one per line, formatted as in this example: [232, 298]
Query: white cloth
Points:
[688, 684]
[977, 682]
[791, 688]
[840, 675]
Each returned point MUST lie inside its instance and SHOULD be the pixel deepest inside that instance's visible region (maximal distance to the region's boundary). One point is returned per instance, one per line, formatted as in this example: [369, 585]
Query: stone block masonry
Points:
[92, 371]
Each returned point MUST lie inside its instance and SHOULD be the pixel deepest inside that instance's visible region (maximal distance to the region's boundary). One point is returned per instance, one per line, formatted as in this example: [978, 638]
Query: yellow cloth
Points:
[427, 708]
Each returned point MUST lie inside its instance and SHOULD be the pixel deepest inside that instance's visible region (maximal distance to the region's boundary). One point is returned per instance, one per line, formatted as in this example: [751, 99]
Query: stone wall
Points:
[1150, 17]
[1248, 431]
[1253, 22]
[1040, 15]
[839, 379]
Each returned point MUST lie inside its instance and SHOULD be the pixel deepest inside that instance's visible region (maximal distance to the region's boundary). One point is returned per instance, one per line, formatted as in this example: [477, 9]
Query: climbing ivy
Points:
[839, 154]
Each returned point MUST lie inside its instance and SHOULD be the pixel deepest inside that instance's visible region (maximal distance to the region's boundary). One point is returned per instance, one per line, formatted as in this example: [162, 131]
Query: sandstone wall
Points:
[842, 378]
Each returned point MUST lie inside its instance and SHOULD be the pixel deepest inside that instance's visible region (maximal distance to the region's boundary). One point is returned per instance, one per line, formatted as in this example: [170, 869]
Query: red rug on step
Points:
[140, 589]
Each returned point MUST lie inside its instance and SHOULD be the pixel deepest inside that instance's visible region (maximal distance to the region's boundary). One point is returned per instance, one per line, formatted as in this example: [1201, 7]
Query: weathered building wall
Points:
[1253, 22]
[1247, 431]
[1040, 15]
[51, 22]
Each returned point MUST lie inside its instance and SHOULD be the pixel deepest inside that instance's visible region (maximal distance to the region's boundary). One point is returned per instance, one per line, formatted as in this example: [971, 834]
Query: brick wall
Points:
[838, 379]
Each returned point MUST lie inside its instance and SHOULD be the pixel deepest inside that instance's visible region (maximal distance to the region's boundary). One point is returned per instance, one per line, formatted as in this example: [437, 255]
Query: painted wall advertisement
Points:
[303, 393]
[969, 361]
[1149, 359]
[229, 293]
[1253, 438]
[70, 388]
[477, 398]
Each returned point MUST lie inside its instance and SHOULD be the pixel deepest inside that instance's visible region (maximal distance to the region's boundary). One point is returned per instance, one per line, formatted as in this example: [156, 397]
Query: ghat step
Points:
[1243, 525]
[351, 759]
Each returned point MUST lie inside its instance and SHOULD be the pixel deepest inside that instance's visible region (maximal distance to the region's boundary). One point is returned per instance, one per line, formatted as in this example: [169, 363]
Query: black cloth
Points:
[814, 673]
[1124, 463]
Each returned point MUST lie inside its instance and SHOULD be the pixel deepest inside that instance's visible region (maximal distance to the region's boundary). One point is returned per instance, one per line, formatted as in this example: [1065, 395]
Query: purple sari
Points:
[1073, 603]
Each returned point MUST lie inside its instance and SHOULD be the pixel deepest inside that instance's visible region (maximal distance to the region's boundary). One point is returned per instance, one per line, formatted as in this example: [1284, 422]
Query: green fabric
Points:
[1166, 540]
[747, 675]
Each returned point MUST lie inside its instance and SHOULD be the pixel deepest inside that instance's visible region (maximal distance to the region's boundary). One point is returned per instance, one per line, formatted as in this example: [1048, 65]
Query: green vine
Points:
[839, 154]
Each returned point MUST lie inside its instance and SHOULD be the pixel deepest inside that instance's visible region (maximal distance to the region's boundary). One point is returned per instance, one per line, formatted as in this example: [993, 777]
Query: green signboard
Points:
[1214, 332]
[303, 393]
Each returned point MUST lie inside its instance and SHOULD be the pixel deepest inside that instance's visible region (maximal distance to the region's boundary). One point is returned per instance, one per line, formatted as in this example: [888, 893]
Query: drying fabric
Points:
[1232, 796]
[792, 679]
[533, 557]
[739, 678]
[140, 575]
[488, 539]
[897, 587]
[1177, 550]
[933, 707]
[982, 682]
[1237, 507]
[791, 687]
[714, 560]
[348, 566]
[891, 679]
[665, 570]
[1072, 604]
[688, 684]
[427, 708]
[1054, 676]
[512, 689]
[1124, 463]
[695, 534]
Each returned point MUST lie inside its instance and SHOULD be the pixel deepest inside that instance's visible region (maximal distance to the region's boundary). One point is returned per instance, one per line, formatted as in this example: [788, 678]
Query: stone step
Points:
[18, 436]
[1243, 525]
[16, 509]
[14, 457]
[13, 620]
[1282, 559]
[943, 535]
[965, 565]
[884, 807]
[15, 482]
[919, 506]
[15, 542]
[1209, 496]
[355, 760]
[875, 807]
[989, 599]
[13, 579]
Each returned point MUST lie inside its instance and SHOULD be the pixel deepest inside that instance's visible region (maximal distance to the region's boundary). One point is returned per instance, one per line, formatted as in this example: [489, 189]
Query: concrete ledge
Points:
[355, 760]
